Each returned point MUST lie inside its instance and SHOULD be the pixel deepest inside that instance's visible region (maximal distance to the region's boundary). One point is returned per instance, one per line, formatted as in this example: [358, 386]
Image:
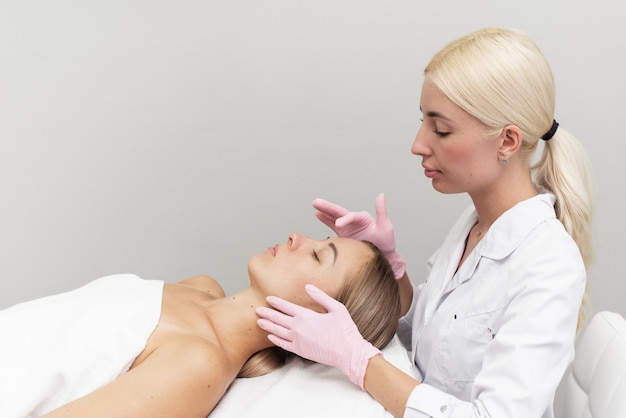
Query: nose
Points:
[297, 240]
[419, 146]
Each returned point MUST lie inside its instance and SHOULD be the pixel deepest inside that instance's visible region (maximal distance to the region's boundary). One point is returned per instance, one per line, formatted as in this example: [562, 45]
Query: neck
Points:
[492, 203]
[234, 321]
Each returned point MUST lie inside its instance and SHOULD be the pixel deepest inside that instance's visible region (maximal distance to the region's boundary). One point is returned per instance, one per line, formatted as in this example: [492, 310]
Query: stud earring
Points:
[503, 160]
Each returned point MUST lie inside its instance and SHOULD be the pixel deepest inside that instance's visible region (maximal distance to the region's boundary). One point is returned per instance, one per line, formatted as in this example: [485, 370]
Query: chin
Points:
[253, 267]
[441, 188]
[260, 273]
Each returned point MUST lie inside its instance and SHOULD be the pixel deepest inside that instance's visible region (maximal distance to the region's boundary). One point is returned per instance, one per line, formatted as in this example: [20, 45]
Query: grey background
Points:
[169, 139]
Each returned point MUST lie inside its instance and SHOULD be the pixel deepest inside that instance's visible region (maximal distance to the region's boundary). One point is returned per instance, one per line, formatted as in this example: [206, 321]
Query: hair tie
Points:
[552, 131]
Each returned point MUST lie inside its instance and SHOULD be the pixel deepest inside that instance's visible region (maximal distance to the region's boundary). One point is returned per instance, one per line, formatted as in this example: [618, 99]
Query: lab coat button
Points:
[443, 408]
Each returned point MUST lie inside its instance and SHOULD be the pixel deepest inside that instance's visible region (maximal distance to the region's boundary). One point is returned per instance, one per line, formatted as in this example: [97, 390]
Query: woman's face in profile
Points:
[456, 153]
[284, 269]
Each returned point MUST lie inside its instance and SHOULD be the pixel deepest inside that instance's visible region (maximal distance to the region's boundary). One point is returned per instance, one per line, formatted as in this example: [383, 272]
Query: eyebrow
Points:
[434, 114]
[334, 248]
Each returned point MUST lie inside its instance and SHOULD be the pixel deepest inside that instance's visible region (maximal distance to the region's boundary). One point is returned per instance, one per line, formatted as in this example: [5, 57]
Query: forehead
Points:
[435, 103]
[433, 99]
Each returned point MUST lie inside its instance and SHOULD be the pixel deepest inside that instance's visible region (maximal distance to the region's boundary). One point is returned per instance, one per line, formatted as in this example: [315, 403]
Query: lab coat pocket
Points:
[471, 333]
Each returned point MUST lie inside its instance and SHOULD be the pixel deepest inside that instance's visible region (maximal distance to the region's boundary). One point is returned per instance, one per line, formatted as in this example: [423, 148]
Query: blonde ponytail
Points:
[565, 171]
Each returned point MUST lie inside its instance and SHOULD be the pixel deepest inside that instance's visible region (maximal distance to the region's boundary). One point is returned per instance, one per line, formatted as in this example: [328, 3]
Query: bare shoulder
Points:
[186, 377]
[202, 372]
[203, 361]
[204, 283]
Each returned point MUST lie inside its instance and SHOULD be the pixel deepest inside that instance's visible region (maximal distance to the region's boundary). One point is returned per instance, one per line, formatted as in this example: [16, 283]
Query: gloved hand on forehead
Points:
[330, 338]
[362, 226]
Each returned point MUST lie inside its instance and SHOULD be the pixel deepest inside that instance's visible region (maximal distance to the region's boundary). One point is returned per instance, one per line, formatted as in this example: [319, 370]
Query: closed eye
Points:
[436, 131]
[439, 133]
[315, 256]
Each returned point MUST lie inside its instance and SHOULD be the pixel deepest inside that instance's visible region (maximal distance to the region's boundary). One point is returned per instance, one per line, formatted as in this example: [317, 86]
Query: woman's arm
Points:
[389, 385]
[186, 378]
[406, 293]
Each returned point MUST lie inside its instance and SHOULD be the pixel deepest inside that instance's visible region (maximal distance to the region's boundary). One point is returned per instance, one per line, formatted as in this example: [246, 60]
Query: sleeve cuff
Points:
[426, 401]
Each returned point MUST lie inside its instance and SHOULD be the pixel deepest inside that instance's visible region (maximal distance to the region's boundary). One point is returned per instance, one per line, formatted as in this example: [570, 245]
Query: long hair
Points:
[371, 296]
[501, 78]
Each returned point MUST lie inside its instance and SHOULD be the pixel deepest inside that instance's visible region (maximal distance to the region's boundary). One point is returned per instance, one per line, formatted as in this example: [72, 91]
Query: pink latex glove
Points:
[329, 338]
[362, 226]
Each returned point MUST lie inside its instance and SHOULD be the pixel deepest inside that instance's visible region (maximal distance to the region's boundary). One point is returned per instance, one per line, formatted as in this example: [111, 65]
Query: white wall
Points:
[178, 138]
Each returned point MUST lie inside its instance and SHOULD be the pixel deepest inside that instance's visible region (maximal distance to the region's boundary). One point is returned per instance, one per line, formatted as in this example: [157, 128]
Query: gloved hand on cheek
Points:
[330, 338]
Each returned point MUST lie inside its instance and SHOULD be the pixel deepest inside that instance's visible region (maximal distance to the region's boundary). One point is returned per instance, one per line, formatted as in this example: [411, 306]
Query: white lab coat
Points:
[494, 338]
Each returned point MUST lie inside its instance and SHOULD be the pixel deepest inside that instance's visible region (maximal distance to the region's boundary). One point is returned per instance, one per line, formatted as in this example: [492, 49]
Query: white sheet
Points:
[306, 390]
[89, 336]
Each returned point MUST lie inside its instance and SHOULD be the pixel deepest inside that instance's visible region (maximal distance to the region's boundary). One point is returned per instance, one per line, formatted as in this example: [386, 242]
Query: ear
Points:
[510, 141]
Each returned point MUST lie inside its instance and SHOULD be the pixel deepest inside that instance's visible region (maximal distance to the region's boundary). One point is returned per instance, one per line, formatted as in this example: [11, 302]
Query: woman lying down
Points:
[125, 346]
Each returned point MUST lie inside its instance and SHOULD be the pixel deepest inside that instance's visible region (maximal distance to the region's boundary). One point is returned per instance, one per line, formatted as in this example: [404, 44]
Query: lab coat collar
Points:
[508, 231]
[502, 238]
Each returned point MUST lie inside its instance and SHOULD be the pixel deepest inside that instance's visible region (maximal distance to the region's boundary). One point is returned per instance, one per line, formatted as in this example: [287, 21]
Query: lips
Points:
[429, 172]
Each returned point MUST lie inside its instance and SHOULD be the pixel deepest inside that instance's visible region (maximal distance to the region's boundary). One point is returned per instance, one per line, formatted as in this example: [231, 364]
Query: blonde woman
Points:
[492, 328]
[125, 346]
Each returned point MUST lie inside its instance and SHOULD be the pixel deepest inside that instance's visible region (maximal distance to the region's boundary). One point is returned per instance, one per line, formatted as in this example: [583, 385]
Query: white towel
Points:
[59, 348]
